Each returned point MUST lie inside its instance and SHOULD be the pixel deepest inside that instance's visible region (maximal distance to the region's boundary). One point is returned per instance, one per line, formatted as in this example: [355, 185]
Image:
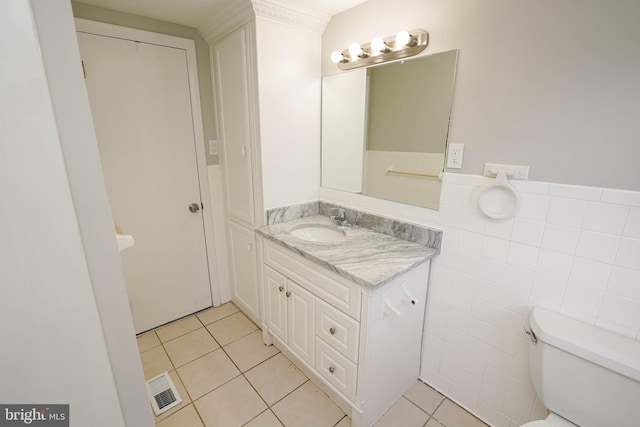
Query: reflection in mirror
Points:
[384, 129]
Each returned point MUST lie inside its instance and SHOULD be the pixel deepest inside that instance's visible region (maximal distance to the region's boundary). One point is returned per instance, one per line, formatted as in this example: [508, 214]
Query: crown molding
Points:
[291, 14]
[231, 15]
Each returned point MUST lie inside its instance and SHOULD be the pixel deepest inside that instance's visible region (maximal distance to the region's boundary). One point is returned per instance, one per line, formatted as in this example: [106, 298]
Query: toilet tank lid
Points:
[605, 348]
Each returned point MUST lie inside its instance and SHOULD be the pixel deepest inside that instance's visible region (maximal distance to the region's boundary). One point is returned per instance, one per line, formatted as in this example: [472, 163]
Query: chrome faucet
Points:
[339, 216]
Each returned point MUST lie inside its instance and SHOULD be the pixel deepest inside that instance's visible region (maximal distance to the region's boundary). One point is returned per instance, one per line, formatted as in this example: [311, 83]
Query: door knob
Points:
[194, 207]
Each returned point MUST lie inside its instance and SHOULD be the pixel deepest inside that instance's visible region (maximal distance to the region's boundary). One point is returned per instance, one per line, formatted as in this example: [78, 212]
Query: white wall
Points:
[54, 345]
[545, 84]
[536, 83]
[289, 97]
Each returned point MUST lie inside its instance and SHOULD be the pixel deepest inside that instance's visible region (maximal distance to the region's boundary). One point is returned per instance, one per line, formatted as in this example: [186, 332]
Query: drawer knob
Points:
[281, 288]
[332, 331]
[332, 369]
[288, 294]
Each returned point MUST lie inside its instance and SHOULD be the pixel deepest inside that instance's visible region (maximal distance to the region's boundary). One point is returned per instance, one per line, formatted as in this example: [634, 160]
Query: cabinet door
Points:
[244, 278]
[301, 310]
[275, 316]
[233, 110]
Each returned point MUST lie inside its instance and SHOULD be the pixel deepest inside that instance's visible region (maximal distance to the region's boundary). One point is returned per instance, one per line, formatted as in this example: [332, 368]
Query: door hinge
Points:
[84, 72]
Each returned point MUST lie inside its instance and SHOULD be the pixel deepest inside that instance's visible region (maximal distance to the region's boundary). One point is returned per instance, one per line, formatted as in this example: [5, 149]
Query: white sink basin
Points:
[318, 233]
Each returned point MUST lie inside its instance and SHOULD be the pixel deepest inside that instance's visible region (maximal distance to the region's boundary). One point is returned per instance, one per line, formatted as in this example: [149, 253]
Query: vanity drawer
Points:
[337, 291]
[338, 330]
[336, 369]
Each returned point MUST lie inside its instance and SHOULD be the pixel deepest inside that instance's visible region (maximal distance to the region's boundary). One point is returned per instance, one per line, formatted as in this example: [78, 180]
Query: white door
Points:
[141, 106]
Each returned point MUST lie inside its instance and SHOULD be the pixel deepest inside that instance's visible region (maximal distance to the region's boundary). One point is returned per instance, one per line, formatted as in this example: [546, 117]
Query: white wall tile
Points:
[628, 253]
[469, 382]
[467, 262]
[558, 253]
[560, 238]
[524, 256]
[605, 218]
[500, 228]
[527, 231]
[533, 206]
[621, 311]
[450, 236]
[568, 212]
[575, 192]
[495, 249]
[554, 264]
[532, 187]
[625, 282]
[548, 289]
[597, 246]
[450, 215]
[491, 270]
[470, 242]
[491, 396]
[515, 301]
[590, 273]
[621, 197]
[518, 278]
[472, 220]
[582, 299]
[632, 227]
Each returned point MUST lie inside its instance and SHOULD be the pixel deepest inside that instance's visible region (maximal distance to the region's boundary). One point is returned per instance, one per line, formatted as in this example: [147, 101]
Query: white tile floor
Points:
[227, 377]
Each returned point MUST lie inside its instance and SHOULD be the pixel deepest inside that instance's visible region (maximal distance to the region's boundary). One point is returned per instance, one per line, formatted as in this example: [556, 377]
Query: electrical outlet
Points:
[454, 157]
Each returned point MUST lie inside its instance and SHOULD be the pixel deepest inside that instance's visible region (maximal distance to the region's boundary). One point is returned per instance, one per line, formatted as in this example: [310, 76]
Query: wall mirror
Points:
[384, 129]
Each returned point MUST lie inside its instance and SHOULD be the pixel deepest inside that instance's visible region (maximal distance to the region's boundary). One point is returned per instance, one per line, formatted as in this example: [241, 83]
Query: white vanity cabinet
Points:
[360, 344]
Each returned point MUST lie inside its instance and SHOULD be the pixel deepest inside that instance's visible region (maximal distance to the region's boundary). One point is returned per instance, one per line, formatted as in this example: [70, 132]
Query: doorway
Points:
[144, 99]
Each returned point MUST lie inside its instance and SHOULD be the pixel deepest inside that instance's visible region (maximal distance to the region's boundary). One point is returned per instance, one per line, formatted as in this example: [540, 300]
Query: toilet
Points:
[584, 375]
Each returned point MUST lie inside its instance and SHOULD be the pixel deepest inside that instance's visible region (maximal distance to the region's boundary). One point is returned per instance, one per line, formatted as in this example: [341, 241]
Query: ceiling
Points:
[194, 13]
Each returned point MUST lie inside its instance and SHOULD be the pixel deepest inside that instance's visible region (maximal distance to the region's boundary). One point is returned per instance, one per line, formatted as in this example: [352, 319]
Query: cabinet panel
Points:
[336, 368]
[301, 312]
[244, 276]
[233, 100]
[338, 330]
[275, 316]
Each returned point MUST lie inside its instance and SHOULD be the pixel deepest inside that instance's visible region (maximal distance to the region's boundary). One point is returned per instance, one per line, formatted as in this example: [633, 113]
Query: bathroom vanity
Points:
[347, 306]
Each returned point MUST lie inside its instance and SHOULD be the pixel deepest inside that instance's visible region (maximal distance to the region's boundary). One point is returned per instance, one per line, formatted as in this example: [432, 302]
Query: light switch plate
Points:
[213, 147]
[454, 156]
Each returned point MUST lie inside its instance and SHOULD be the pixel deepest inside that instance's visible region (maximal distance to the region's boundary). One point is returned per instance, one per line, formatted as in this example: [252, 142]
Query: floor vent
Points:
[162, 393]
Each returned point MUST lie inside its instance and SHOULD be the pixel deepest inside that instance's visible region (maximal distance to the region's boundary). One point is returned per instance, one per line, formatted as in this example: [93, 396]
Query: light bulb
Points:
[355, 50]
[403, 38]
[378, 45]
[336, 57]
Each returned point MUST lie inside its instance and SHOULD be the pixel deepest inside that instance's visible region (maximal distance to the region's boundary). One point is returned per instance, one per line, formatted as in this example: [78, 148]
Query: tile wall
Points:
[572, 249]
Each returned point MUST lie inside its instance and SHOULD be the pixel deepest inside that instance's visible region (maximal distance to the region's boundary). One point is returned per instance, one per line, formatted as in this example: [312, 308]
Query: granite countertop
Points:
[364, 256]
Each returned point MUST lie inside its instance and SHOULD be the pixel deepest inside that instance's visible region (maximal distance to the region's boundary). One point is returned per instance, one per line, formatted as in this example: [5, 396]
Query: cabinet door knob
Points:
[280, 288]
[332, 369]
[332, 331]
[288, 294]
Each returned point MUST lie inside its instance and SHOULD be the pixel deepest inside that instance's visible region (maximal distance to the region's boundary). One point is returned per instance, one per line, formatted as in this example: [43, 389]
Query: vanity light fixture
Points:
[402, 45]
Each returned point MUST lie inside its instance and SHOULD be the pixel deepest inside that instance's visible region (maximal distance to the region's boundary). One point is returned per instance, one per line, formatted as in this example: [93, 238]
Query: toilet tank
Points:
[585, 374]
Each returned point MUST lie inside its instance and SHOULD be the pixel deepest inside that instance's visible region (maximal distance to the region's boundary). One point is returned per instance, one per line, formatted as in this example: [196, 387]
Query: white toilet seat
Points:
[538, 423]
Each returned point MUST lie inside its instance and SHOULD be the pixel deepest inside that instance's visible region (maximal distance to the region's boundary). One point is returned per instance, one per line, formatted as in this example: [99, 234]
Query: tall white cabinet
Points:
[237, 121]
[268, 119]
